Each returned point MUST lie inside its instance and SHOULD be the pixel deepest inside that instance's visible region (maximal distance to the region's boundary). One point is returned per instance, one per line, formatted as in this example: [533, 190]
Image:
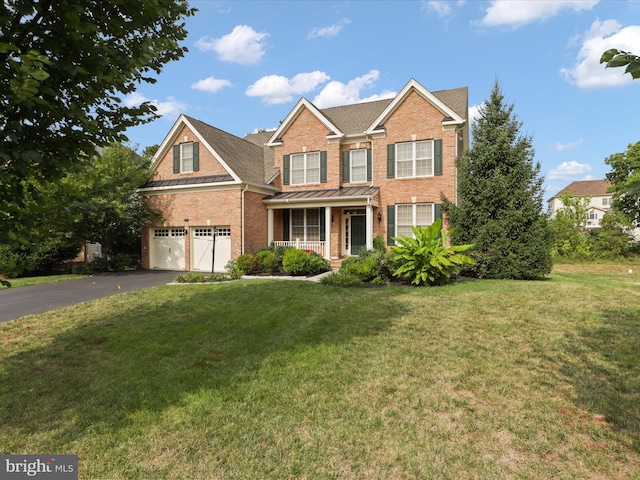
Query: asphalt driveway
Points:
[18, 302]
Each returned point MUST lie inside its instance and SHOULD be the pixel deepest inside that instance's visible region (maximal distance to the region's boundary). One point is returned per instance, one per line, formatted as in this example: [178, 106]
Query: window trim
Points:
[414, 144]
[305, 168]
[351, 176]
[305, 224]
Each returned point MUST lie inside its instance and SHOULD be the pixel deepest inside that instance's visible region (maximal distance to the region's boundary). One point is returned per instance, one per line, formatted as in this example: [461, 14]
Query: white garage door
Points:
[167, 248]
[202, 242]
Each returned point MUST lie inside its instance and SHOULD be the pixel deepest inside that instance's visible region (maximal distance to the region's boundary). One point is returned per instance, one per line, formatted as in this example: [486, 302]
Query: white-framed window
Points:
[186, 157]
[606, 201]
[305, 224]
[358, 165]
[305, 168]
[414, 159]
[178, 232]
[160, 232]
[414, 214]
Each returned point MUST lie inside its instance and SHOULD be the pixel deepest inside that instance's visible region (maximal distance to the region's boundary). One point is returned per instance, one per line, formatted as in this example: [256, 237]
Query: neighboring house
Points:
[327, 180]
[88, 252]
[596, 190]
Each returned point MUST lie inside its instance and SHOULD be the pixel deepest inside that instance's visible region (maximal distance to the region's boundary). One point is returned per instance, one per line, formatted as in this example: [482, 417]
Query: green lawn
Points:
[27, 281]
[282, 379]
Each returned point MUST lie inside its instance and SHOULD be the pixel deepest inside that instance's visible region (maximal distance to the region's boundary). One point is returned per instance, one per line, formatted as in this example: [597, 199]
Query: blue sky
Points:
[249, 62]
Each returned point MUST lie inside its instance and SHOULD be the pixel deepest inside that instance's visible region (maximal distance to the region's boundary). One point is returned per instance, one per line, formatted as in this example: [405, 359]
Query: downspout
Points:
[242, 218]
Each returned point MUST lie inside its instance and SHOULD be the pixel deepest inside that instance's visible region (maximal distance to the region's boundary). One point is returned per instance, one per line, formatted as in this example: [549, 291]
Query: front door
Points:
[355, 231]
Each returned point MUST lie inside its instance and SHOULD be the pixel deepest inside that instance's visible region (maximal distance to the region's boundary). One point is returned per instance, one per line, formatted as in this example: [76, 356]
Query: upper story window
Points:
[606, 201]
[304, 168]
[414, 159]
[356, 165]
[186, 157]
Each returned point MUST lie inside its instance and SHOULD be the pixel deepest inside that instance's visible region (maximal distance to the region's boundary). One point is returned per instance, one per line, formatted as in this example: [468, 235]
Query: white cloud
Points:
[211, 84]
[243, 45]
[588, 72]
[330, 31]
[517, 13]
[442, 8]
[169, 109]
[276, 89]
[337, 93]
[569, 171]
[561, 147]
[474, 113]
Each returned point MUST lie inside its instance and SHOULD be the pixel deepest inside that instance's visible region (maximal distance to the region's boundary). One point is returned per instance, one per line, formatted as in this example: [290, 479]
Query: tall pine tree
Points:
[500, 198]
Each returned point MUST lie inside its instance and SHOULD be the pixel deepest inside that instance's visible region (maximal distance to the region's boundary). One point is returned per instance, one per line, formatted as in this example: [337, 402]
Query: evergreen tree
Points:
[500, 204]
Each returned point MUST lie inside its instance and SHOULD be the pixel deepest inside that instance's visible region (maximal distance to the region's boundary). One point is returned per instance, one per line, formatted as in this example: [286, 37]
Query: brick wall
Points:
[208, 163]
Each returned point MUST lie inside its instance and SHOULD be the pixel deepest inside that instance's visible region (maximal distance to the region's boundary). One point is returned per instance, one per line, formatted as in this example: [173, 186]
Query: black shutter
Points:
[176, 159]
[323, 226]
[369, 166]
[323, 166]
[285, 170]
[391, 161]
[437, 211]
[391, 224]
[345, 167]
[196, 156]
[437, 157]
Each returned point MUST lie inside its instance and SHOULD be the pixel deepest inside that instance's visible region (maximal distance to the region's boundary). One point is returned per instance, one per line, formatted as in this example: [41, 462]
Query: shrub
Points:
[379, 244]
[191, 277]
[268, 261]
[246, 263]
[232, 269]
[426, 259]
[342, 279]
[300, 262]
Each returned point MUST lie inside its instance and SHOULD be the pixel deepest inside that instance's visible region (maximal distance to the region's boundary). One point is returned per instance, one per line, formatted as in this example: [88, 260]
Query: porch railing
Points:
[314, 246]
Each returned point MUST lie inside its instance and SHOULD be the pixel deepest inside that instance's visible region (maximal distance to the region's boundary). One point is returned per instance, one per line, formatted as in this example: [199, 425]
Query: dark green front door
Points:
[358, 233]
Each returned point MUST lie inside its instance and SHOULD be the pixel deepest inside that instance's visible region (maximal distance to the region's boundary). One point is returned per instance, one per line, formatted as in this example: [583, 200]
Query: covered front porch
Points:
[334, 223]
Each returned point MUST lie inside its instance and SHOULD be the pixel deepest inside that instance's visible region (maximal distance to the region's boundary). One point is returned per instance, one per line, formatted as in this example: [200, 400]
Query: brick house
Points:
[328, 180]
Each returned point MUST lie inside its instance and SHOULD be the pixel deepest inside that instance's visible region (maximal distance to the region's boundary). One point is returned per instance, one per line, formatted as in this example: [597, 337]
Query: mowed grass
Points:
[283, 379]
[27, 281]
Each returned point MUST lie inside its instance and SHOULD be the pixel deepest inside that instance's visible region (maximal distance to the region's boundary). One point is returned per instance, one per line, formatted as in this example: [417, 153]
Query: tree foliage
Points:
[98, 202]
[63, 66]
[615, 58]
[500, 198]
[568, 227]
[625, 182]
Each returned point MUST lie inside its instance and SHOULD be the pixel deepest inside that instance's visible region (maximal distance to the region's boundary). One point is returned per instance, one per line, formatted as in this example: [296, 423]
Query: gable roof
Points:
[243, 160]
[260, 139]
[586, 188]
[456, 97]
[367, 117]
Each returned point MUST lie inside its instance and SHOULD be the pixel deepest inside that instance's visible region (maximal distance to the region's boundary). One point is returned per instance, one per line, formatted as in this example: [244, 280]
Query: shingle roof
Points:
[260, 139]
[245, 158]
[188, 181]
[586, 188]
[358, 117]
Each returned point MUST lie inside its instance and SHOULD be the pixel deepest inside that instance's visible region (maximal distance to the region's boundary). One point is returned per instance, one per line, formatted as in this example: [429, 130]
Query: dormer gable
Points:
[449, 116]
[303, 104]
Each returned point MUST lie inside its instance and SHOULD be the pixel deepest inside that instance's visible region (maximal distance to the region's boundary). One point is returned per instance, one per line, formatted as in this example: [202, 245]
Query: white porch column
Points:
[269, 226]
[369, 224]
[327, 233]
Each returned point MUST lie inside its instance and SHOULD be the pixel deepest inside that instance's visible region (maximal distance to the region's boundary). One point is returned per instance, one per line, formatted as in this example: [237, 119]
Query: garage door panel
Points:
[167, 249]
[202, 246]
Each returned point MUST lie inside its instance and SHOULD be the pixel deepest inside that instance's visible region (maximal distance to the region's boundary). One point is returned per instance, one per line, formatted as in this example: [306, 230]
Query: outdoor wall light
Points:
[379, 217]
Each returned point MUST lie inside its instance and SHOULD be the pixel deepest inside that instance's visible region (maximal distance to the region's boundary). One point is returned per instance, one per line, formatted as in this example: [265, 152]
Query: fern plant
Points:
[427, 259]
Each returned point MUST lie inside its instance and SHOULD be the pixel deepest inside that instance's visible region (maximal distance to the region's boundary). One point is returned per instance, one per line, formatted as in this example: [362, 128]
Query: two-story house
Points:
[328, 180]
[595, 190]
